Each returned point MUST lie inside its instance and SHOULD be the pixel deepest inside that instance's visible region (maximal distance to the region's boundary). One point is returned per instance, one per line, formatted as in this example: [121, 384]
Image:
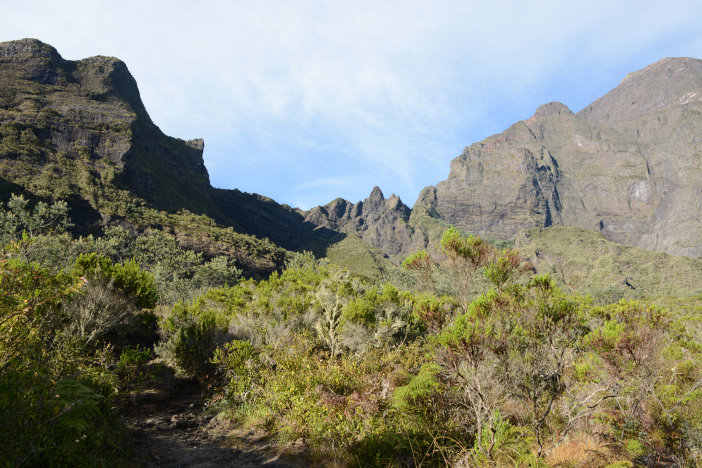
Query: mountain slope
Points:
[588, 263]
[78, 131]
[629, 166]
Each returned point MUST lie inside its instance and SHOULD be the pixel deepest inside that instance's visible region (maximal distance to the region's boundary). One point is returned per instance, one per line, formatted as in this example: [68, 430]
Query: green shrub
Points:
[134, 356]
[128, 278]
[54, 398]
[190, 336]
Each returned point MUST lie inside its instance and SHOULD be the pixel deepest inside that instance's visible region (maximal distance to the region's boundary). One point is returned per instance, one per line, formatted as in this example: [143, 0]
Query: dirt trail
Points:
[170, 428]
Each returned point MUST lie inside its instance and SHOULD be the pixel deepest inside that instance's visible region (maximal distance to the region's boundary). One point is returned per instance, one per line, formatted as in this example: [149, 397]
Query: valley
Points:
[539, 307]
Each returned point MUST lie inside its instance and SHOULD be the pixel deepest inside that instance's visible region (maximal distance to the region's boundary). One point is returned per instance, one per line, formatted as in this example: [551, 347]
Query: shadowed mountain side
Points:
[78, 131]
[263, 217]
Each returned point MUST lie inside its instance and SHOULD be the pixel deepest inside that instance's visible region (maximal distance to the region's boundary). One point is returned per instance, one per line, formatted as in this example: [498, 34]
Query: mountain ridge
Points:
[629, 172]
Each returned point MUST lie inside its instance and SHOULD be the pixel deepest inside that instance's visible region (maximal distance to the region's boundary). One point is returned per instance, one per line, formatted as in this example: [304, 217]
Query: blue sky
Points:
[306, 101]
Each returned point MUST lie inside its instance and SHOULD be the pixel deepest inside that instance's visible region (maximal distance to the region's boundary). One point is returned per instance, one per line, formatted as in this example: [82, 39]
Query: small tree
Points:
[508, 266]
[331, 305]
[466, 255]
[422, 265]
[512, 349]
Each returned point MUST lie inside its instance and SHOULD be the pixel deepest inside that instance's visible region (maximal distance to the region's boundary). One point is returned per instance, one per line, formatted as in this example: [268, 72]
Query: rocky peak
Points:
[394, 203]
[375, 200]
[667, 84]
[552, 108]
[379, 221]
[196, 143]
[28, 48]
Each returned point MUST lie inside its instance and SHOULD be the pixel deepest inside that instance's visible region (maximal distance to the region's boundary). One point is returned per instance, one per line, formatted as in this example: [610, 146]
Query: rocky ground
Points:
[170, 427]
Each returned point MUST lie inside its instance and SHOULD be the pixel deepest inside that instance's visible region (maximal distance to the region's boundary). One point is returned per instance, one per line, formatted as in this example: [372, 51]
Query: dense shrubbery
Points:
[54, 392]
[57, 329]
[479, 363]
[522, 374]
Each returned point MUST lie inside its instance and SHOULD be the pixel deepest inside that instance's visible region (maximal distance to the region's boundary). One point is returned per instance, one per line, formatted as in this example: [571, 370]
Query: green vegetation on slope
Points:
[480, 363]
[351, 252]
[524, 374]
[587, 263]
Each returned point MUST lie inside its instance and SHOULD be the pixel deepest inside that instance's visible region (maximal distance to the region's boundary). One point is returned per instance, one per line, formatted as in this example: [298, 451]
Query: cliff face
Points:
[629, 165]
[83, 123]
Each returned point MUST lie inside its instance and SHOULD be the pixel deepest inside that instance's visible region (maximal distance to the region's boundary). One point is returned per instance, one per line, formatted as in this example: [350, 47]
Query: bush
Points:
[135, 357]
[54, 402]
[100, 311]
[128, 278]
[190, 336]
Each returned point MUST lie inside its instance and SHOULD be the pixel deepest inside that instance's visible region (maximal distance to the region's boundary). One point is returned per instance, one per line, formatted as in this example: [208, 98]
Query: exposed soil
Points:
[170, 427]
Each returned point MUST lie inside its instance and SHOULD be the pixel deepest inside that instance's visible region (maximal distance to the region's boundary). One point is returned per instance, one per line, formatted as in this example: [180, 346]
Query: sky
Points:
[307, 101]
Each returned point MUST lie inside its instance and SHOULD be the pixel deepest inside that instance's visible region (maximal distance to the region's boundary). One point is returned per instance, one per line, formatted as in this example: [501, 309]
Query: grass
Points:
[586, 262]
[351, 252]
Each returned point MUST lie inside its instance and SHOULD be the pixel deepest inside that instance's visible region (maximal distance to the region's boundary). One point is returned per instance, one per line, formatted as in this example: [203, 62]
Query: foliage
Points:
[128, 277]
[342, 408]
[135, 356]
[52, 400]
[17, 217]
[190, 335]
[481, 363]
[584, 262]
[421, 263]
[19, 221]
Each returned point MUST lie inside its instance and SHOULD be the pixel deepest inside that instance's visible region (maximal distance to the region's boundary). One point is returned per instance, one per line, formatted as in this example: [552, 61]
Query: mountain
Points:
[381, 222]
[629, 165]
[87, 115]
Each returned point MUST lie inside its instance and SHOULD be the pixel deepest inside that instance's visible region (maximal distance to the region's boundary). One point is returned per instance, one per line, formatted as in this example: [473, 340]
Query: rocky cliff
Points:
[78, 130]
[629, 166]
[380, 221]
[82, 123]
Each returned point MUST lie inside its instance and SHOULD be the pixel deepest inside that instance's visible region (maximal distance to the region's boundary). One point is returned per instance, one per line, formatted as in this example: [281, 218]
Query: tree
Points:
[421, 263]
[18, 217]
[466, 255]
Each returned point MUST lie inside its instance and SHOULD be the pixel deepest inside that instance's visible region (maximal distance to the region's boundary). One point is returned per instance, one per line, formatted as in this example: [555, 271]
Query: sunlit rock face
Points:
[628, 165]
[380, 221]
